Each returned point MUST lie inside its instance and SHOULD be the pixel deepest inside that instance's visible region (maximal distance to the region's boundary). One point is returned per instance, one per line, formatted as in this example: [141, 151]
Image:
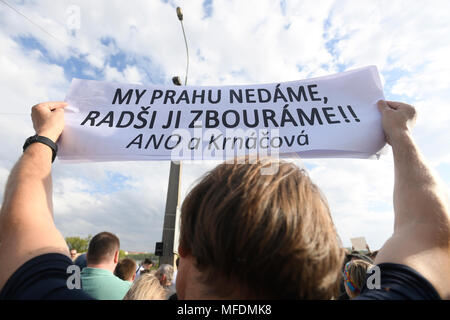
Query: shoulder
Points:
[105, 277]
[103, 284]
[122, 283]
[48, 276]
[392, 281]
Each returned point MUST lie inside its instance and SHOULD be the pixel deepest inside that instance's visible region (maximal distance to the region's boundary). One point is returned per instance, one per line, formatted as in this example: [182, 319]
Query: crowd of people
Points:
[130, 281]
[243, 234]
[105, 277]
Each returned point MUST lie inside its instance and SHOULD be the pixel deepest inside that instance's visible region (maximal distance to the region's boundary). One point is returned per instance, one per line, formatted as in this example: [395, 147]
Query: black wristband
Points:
[43, 140]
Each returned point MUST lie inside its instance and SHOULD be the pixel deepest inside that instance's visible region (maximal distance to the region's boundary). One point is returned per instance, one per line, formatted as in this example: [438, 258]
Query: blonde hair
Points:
[146, 287]
[355, 273]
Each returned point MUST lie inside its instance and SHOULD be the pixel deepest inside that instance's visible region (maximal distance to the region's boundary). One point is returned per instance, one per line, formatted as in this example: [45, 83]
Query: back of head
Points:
[165, 274]
[359, 256]
[146, 287]
[264, 236]
[81, 261]
[355, 273]
[126, 269]
[102, 248]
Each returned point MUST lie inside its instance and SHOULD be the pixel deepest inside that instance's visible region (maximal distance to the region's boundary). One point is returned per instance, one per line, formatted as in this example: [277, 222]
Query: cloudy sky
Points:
[44, 44]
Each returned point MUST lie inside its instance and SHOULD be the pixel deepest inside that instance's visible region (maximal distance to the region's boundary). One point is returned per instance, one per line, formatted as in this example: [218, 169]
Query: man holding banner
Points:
[283, 212]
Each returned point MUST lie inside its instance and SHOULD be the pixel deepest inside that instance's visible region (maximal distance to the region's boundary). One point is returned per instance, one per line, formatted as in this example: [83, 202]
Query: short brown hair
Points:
[125, 269]
[271, 235]
[102, 247]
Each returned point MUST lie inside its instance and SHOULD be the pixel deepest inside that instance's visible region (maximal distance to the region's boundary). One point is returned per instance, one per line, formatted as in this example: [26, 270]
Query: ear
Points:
[182, 252]
[116, 257]
[134, 277]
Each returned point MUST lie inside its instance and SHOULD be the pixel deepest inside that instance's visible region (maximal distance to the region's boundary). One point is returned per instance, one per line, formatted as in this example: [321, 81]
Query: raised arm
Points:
[421, 238]
[26, 217]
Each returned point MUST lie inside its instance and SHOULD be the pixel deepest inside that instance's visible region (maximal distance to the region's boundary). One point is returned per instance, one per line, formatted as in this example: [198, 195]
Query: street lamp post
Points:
[171, 216]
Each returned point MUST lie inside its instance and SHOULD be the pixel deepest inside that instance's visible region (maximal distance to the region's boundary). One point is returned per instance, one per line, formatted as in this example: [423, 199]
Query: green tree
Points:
[78, 243]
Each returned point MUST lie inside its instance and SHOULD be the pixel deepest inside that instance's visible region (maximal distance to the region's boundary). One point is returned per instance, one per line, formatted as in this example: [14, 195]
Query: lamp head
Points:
[176, 81]
[179, 14]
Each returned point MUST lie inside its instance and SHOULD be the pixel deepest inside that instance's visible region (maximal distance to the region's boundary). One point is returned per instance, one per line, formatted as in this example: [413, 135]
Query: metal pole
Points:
[170, 216]
[187, 53]
[170, 234]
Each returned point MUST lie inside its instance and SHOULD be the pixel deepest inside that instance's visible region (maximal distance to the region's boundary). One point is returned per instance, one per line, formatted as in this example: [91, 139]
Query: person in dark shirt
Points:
[414, 261]
[34, 255]
[81, 261]
[412, 264]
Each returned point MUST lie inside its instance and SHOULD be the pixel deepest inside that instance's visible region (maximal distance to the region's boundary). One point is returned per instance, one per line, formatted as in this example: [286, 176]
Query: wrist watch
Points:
[43, 140]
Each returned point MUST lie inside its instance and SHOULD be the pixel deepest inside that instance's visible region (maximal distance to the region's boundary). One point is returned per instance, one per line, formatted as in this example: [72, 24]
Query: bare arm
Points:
[26, 217]
[421, 236]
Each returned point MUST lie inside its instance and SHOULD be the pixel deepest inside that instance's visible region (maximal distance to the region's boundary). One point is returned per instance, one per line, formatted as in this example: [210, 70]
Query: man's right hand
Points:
[398, 119]
[48, 119]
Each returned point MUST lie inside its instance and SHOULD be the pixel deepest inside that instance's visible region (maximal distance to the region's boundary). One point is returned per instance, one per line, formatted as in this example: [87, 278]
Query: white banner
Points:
[332, 116]
[359, 243]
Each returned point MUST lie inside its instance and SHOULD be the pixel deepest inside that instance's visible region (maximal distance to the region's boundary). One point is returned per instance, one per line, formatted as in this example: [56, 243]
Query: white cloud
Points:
[359, 193]
[129, 75]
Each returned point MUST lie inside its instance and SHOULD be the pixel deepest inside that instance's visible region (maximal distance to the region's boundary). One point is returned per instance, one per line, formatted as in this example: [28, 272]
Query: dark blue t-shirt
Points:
[45, 278]
[42, 278]
[399, 282]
